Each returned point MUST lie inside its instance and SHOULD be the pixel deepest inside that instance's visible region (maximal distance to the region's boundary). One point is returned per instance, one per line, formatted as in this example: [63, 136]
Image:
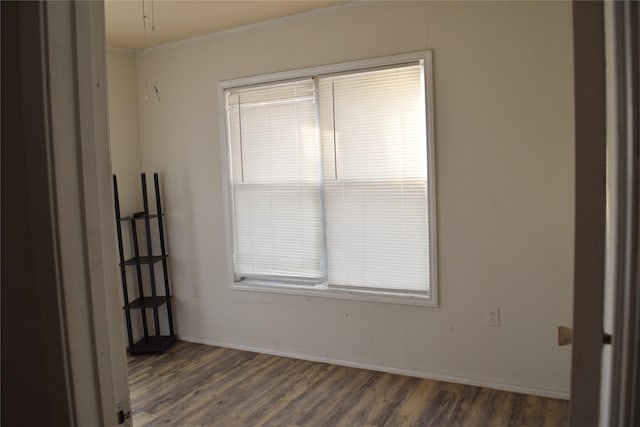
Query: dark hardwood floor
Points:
[200, 385]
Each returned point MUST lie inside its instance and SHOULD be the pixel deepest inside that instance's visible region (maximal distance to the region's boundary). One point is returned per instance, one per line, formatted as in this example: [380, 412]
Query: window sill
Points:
[337, 293]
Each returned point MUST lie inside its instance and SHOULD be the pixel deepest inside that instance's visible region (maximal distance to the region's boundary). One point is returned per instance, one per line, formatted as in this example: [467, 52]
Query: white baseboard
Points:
[536, 391]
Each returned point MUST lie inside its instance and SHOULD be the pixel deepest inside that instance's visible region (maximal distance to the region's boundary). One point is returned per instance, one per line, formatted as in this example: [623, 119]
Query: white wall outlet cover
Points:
[493, 316]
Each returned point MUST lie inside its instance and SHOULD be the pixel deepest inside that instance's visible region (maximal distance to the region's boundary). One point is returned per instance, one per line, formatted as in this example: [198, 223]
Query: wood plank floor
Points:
[200, 385]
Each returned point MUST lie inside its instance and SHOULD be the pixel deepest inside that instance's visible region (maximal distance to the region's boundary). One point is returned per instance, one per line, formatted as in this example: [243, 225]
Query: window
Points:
[331, 179]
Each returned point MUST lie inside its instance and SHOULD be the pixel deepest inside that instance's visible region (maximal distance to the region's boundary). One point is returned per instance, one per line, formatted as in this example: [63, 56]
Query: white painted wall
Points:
[505, 175]
[126, 160]
[124, 133]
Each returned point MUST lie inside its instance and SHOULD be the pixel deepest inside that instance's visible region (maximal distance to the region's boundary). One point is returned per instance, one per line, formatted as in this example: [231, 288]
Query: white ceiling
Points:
[181, 19]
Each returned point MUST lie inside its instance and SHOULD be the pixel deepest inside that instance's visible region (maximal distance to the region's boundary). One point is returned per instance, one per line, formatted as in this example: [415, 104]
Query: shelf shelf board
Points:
[147, 302]
[139, 215]
[145, 260]
[152, 344]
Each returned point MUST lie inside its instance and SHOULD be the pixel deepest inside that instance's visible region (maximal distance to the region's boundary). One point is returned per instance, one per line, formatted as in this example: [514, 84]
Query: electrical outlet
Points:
[196, 290]
[493, 317]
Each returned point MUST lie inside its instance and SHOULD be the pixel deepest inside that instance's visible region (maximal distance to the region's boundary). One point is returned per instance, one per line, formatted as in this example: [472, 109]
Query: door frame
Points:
[605, 381]
[621, 396]
[73, 71]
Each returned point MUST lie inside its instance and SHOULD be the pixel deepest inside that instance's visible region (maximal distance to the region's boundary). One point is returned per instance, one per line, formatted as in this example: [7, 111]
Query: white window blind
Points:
[375, 179]
[330, 180]
[276, 181]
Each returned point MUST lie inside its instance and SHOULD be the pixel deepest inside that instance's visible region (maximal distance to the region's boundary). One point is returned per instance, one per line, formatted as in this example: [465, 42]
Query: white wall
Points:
[505, 166]
[126, 160]
[124, 133]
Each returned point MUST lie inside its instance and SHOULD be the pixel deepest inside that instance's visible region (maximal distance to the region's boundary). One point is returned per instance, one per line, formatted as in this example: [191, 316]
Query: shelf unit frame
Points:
[156, 343]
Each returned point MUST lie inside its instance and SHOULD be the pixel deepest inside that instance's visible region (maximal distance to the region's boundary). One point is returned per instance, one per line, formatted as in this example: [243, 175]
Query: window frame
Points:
[430, 298]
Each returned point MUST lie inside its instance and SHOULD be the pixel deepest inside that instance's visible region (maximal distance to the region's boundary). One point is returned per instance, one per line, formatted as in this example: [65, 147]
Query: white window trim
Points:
[321, 290]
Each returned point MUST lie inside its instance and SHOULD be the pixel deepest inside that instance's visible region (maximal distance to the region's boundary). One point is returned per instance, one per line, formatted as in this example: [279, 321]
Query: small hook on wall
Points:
[156, 90]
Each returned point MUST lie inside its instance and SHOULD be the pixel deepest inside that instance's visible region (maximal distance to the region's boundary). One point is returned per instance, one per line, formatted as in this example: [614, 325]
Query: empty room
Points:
[324, 213]
[446, 252]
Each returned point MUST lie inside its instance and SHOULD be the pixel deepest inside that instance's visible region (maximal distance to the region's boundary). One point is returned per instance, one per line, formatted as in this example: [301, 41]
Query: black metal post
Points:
[152, 278]
[143, 312]
[163, 252]
[123, 272]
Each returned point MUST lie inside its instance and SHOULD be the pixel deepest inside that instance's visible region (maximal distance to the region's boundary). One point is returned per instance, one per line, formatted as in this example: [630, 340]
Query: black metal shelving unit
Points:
[155, 343]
